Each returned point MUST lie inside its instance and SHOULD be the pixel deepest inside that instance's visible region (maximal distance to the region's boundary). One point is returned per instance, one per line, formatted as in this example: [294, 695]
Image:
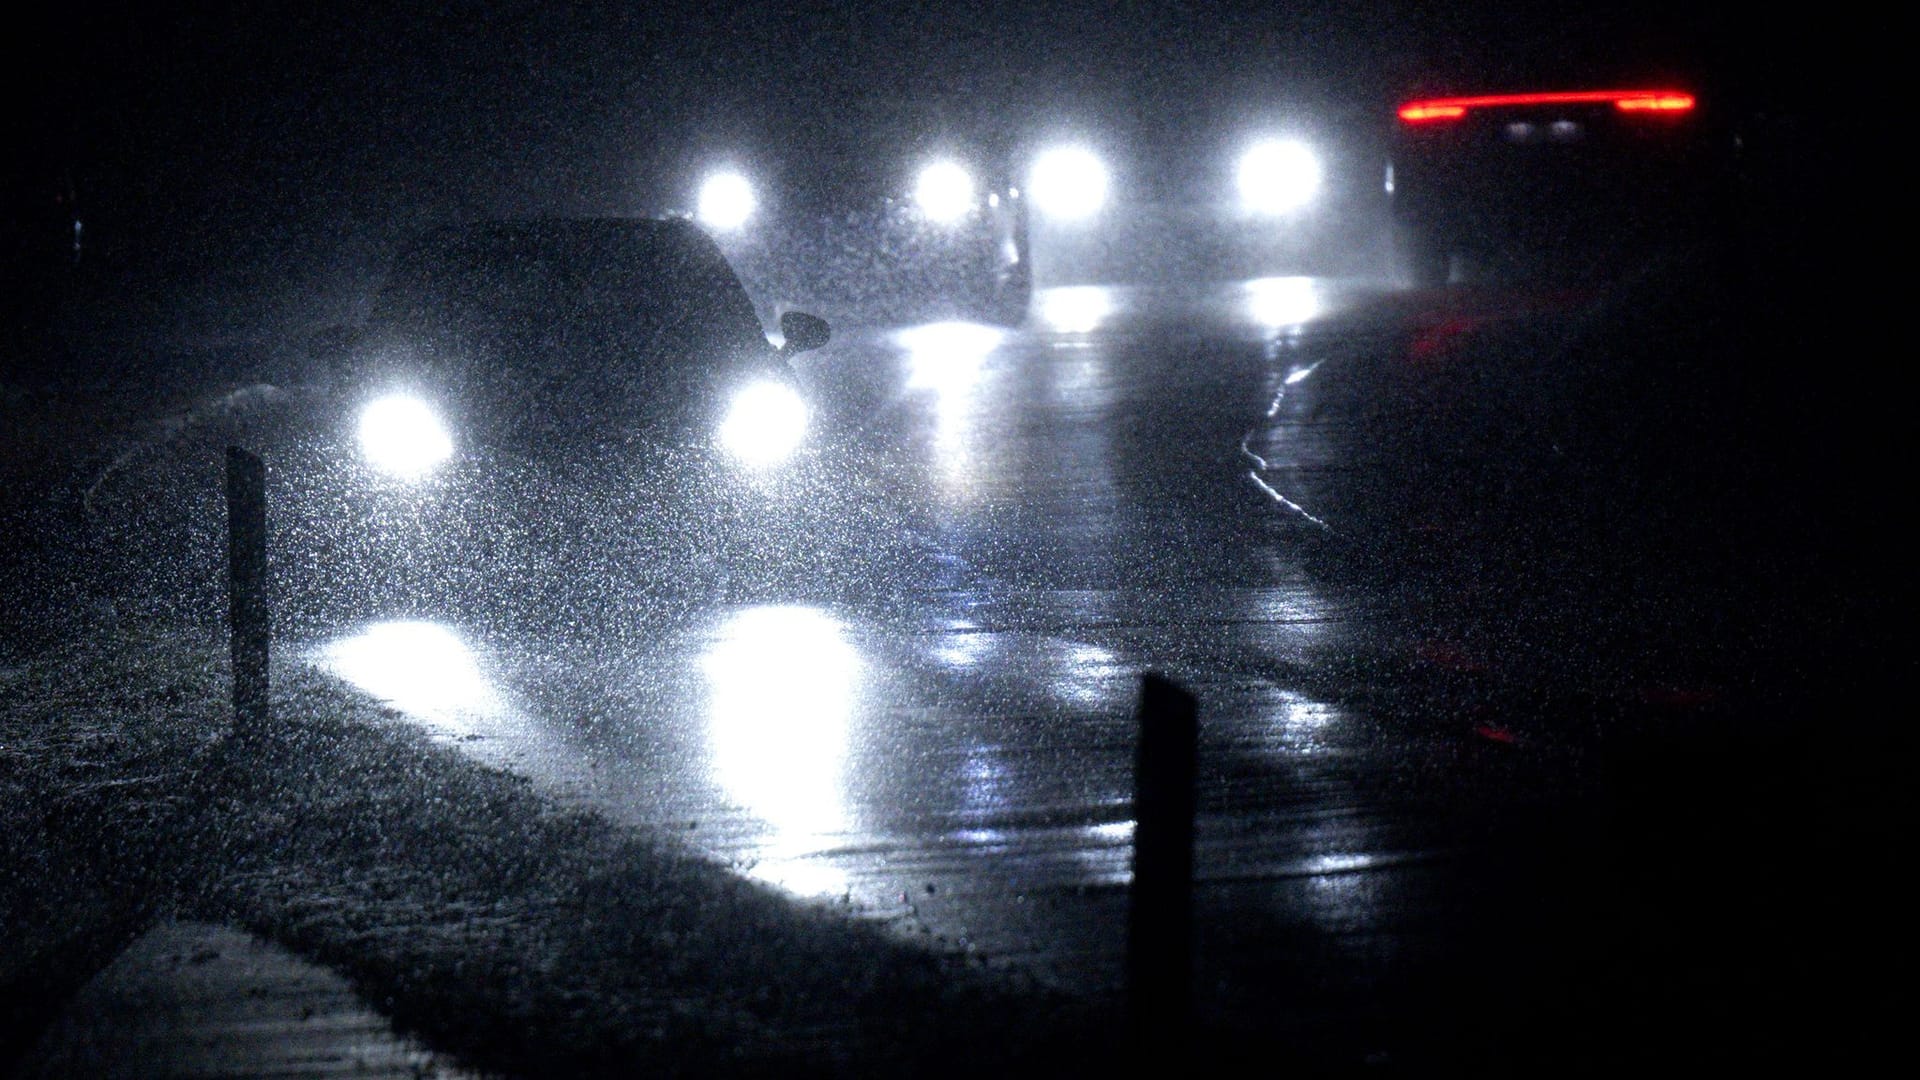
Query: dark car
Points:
[1612, 452]
[1596, 490]
[887, 212]
[1137, 194]
[1485, 183]
[590, 330]
[585, 412]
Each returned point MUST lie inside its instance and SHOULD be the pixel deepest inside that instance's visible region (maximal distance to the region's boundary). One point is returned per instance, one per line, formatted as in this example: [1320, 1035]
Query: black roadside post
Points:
[250, 626]
[1160, 922]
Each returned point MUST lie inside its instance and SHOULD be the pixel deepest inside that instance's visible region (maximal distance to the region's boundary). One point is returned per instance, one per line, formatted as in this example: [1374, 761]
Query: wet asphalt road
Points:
[941, 756]
[1414, 845]
[1389, 866]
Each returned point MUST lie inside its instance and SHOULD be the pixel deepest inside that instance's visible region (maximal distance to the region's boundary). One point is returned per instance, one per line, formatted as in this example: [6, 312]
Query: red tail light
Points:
[1632, 101]
[1420, 112]
[1661, 102]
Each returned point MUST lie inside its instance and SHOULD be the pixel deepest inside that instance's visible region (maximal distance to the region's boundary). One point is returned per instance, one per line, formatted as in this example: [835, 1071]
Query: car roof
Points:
[662, 269]
[583, 237]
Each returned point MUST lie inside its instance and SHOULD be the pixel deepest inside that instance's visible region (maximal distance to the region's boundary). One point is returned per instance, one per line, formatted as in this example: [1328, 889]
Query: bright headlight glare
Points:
[944, 192]
[1069, 182]
[401, 436]
[764, 424]
[726, 201]
[1278, 175]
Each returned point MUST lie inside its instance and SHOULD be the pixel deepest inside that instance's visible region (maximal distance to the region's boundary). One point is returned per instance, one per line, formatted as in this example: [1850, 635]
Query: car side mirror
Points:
[803, 332]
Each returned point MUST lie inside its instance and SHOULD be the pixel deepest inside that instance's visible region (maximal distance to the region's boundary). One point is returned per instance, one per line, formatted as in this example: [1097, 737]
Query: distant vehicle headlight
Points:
[944, 192]
[1070, 183]
[726, 201]
[1277, 176]
[764, 424]
[401, 436]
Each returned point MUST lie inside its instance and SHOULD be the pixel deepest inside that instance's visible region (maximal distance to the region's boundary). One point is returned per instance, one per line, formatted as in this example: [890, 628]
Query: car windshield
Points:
[662, 283]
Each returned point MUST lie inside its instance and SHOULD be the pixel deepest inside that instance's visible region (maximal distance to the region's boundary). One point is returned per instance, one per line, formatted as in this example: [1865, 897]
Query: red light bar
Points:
[1421, 111]
[1663, 101]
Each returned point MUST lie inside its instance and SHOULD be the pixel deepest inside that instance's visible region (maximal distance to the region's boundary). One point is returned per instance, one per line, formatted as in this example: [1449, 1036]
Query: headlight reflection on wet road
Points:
[421, 668]
[947, 358]
[1075, 309]
[1280, 302]
[782, 686]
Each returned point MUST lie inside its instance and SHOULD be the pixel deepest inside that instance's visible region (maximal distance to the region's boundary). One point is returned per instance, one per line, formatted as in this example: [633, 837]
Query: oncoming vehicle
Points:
[894, 212]
[1145, 199]
[581, 413]
[576, 333]
[1616, 438]
[1581, 177]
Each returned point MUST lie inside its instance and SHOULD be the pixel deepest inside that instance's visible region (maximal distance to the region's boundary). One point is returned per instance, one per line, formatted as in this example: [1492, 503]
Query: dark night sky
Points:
[249, 142]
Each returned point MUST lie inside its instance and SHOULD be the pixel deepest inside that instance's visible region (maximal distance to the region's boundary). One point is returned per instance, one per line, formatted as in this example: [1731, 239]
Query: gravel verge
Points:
[519, 936]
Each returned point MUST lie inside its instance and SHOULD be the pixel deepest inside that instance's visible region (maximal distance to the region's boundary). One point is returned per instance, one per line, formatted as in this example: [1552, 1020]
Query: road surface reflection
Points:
[1281, 302]
[949, 359]
[421, 668]
[1075, 309]
[957, 761]
[782, 687]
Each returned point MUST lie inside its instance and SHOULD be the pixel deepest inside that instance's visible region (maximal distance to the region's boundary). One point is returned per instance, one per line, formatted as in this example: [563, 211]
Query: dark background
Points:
[239, 163]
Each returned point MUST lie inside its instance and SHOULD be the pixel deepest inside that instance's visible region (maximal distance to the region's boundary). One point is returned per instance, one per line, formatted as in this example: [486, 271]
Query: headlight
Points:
[944, 192]
[1277, 175]
[1070, 183]
[402, 437]
[726, 201]
[764, 423]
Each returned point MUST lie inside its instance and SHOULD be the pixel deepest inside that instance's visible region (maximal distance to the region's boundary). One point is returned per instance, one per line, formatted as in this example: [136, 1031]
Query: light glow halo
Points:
[726, 200]
[1277, 176]
[764, 423]
[400, 435]
[944, 192]
[1069, 183]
